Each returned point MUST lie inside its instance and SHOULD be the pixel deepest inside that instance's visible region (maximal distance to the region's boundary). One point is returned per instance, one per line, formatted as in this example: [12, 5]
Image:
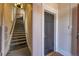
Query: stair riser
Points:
[19, 37]
[18, 40]
[18, 31]
[19, 34]
[19, 27]
[18, 43]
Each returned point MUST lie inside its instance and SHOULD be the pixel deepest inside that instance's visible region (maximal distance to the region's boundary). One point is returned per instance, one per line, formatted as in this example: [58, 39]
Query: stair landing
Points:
[20, 52]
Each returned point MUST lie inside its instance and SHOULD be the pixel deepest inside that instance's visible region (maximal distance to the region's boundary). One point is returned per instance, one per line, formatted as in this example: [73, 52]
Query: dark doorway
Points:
[49, 33]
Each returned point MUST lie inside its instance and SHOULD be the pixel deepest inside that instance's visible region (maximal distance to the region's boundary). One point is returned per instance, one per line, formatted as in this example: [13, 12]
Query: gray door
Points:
[49, 33]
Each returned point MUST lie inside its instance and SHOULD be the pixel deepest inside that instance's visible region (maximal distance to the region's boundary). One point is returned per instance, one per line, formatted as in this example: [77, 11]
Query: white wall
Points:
[6, 27]
[19, 12]
[28, 25]
[64, 42]
[64, 29]
[37, 29]
[38, 26]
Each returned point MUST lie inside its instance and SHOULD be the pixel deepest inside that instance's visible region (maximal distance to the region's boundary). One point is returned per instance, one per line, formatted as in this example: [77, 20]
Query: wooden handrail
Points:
[13, 25]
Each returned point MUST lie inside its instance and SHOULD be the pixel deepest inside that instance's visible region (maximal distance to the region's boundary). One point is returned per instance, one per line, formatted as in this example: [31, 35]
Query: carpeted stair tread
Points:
[18, 37]
[17, 43]
[18, 40]
[18, 46]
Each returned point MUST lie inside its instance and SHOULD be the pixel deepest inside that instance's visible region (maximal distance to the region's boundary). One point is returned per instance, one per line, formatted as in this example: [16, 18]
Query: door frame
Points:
[74, 31]
[55, 13]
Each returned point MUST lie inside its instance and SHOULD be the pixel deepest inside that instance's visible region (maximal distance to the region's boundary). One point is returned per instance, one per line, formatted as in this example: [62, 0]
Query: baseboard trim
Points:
[65, 53]
[6, 51]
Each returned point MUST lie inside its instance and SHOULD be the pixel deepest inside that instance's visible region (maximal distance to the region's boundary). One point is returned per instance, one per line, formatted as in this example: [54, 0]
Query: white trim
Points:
[55, 12]
[56, 30]
[42, 31]
[37, 30]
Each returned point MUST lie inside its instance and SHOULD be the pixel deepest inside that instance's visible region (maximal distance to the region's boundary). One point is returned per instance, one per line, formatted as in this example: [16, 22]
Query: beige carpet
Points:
[20, 52]
[54, 54]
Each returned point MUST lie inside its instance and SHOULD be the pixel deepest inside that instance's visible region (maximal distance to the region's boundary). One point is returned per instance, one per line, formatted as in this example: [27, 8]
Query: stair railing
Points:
[13, 24]
[11, 30]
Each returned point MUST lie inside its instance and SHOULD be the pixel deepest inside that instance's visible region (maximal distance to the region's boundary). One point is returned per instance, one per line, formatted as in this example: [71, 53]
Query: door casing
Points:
[55, 13]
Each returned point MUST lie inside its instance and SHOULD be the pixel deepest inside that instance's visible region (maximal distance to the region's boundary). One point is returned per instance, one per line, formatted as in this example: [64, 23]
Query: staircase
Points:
[18, 39]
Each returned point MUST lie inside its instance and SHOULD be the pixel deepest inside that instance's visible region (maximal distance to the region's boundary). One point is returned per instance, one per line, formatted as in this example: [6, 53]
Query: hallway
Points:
[24, 33]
